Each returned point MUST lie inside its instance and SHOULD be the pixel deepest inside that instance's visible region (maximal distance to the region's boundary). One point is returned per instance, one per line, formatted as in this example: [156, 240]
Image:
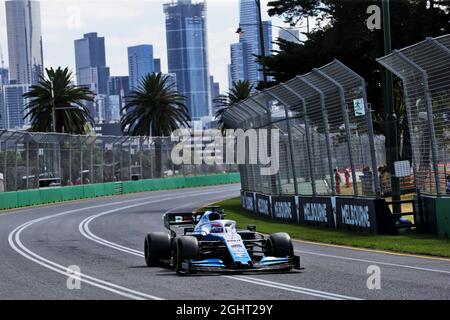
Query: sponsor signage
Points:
[263, 206]
[366, 215]
[284, 208]
[352, 214]
[316, 211]
[247, 201]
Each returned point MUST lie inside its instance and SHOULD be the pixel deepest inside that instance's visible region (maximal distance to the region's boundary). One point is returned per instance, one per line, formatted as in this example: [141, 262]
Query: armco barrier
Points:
[11, 200]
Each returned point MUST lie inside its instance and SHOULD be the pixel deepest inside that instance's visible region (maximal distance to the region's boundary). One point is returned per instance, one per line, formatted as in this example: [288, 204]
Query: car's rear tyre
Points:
[186, 248]
[157, 247]
[279, 245]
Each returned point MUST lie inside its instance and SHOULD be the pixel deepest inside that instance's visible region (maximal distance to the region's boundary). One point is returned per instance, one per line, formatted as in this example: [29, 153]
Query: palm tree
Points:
[155, 109]
[240, 91]
[55, 90]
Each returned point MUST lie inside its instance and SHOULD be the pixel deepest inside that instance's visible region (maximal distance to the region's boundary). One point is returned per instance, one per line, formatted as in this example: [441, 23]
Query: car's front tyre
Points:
[279, 245]
[186, 248]
[157, 247]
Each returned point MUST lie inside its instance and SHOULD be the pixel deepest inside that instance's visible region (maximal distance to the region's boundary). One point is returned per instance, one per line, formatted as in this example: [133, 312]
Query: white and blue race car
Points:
[207, 242]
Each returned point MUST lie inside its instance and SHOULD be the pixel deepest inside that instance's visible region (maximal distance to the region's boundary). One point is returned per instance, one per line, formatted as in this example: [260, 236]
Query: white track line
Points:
[86, 232]
[373, 262]
[17, 245]
[307, 291]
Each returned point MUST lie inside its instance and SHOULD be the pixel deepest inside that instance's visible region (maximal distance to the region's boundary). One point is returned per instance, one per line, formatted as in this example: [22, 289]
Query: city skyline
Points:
[58, 35]
[243, 53]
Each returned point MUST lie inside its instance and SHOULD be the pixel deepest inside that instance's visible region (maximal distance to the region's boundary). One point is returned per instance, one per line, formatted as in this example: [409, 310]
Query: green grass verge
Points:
[406, 242]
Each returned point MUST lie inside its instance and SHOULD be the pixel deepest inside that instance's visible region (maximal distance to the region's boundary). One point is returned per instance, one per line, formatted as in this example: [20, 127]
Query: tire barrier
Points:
[367, 215]
[19, 199]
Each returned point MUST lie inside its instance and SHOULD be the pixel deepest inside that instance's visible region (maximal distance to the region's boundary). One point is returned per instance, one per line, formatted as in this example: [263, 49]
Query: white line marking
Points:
[17, 245]
[85, 231]
[373, 262]
[282, 286]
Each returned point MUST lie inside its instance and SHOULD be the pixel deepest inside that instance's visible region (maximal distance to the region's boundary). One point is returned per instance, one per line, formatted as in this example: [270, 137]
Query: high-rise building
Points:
[2, 110]
[4, 76]
[90, 59]
[172, 81]
[114, 106]
[101, 108]
[118, 85]
[13, 106]
[23, 24]
[157, 65]
[140, 64]
[250, 45]
[290, 34]
[238, 63]
[187, 54]
[215, 93]
[118, 90]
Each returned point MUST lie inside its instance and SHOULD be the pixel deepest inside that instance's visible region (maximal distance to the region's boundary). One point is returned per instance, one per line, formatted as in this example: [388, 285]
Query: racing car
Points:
[207, 242]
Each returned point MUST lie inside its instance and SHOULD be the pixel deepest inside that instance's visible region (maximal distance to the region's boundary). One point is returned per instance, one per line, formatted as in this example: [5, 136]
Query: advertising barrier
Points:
[284, 209]
[368, 215]
[263, 206]
[248, 201]
[316, 211]
[364, 215]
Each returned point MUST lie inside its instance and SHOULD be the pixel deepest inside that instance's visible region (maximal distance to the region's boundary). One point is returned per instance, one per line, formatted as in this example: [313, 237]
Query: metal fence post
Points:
[27, 156]
[430, 122]
[291, 143]
[309, 143]
[130, 168]
[344, 109]
[372, 147]
[273, 183]
[81, 162]
[15, 166]
[327, 132]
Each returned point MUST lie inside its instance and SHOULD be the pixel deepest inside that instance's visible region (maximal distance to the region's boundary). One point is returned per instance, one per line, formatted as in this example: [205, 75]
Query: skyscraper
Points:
[249, 44]
[13, 106]
[187, 54]
[215, 91]
[90, 62]
[2, 110]
[140, 63]
[4, 76]
[118, 90]
[157, 65]
[238, 63]
[23, 24]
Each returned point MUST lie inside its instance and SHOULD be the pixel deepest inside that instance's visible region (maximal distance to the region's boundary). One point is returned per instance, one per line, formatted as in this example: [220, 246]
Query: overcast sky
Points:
[127, 23]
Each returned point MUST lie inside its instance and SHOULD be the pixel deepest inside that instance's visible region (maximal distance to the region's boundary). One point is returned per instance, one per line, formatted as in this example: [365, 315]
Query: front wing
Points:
[267, 264]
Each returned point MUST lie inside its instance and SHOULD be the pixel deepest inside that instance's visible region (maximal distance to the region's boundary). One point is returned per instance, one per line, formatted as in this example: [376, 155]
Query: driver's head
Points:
[213, 216]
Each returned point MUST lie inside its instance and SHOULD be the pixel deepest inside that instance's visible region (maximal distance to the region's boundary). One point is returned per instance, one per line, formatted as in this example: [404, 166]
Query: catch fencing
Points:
[327, 144]
[424, 69]
[31, 160]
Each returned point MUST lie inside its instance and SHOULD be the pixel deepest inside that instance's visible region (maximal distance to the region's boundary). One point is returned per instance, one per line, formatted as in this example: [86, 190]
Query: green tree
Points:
[240, 91]
[155, 109]
[55, 90]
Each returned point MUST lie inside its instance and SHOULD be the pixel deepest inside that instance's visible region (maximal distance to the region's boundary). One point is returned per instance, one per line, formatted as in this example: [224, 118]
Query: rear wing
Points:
[180, 219]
